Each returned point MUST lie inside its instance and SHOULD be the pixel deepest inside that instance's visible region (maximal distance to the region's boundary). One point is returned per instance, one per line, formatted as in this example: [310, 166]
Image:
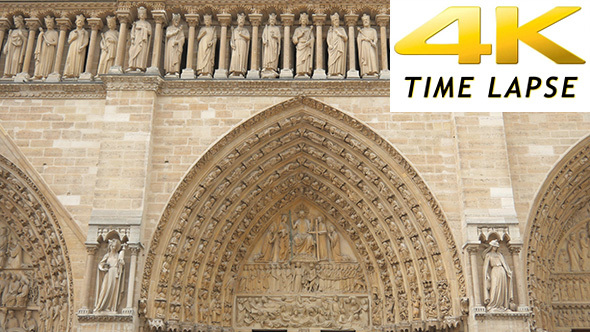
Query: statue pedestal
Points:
[85, 77]
[153, 71]
[22, 78]
[187, 74]
[220, 74]
[353, 75]
[482, 321]
[253, 74]
[286, 74]
[53, 78]
[319, 74]
[107, 322]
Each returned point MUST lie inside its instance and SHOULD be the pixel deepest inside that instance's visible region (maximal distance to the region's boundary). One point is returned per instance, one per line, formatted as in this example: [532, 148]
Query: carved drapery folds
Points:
[35, 274]
[142, 34]
[366, 214]
[557, 247]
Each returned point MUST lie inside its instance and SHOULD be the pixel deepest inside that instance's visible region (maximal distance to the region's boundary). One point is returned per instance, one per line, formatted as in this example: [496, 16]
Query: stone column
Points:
[254, 72]
[134, 248]
[64, 24]
[351, 20]
[95, 25]
[383, 22]
[519, 274]
[33, 24]
[124, 18]
[4, 25]
[224, 20]
[473, 250]
[319, 72]
[189, 72]
[91, 266]
[287, 71]
[161, 19]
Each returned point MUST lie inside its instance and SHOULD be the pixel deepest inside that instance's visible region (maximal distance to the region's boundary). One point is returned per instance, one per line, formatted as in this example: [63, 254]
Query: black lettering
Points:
[412, 80]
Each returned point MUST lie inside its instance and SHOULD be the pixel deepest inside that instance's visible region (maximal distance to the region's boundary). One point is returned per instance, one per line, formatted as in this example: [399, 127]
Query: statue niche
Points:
[110, 277]
[302, 273]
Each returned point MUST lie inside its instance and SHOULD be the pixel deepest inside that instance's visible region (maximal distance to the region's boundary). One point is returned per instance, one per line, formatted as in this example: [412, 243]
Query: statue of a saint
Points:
[78, 41]
[322, 239]
[174, 45]
[112, 264]
[335, 249]
[268, 246]
[207, 39]
[29, 323]
[303, 40]
[336, 40]
[284, 243]
[271, 44]
[45, 49]
[108, 46]
[303, 242]
[240, 41]
[14, 49]
[498, 279]
[574, 253]
[367, 44]
[141, 33]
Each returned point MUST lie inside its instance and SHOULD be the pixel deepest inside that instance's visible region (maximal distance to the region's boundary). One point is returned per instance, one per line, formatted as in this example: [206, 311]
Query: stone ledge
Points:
[177, 87]
[104, 317]
[510, 315]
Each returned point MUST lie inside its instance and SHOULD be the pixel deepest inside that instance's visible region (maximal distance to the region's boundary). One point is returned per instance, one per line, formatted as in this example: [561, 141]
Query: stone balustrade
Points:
[260, 44]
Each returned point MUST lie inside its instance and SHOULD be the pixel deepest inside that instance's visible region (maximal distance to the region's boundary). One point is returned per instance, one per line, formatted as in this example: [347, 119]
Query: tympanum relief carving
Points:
[302, 273]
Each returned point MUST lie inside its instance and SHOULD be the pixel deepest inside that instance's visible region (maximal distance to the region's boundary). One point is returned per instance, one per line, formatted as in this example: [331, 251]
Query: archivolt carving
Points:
[558, 237]
[35, 269]
[302, 150]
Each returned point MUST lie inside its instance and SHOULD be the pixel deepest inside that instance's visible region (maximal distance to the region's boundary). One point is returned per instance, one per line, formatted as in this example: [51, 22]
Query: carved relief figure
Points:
[335, 249]
[141, 33]
[240, 41]
[78, 41]
[14, 49]
[323, 247]
[585, 249]
[498, 279]
[574, 252]
[14, 253]
[303, 40]
[29, 322]
[174, 45]
[284, 244]
[45, 49]
[112, 265]
[336, 40]
[268, 247]
[303, 243]
[108, 46]
[367, 45]
[271, 44]
[207, 39]
[3, 245]
[10, 321]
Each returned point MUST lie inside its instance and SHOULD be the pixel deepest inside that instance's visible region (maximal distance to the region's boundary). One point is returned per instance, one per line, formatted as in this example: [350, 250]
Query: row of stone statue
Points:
[572, 318]
[298, 278]
[28, 323]
[48, 52]
[14, 290]
[300, 311]
[570, 289]
[574, 256]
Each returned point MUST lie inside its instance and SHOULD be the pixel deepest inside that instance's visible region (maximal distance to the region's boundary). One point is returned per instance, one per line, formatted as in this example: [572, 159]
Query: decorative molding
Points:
[122, 318]
[62, 90]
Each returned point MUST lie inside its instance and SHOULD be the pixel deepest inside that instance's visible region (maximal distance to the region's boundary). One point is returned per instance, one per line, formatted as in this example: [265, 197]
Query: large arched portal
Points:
[558, 245]
[371, 249]
[35, 272]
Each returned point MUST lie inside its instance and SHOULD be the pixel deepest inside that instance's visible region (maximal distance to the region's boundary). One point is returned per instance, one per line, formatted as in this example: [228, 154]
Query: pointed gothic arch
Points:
[34, 253]
[302, 149]
[558, 288]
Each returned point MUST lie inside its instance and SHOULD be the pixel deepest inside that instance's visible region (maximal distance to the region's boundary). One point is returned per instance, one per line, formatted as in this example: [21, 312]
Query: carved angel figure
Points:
[78, 41]
[14, 49]
[240, 41]
[108, 46]
[498, 279]
[45, 49]
[112, 264]
[174, 44]
[140, 42]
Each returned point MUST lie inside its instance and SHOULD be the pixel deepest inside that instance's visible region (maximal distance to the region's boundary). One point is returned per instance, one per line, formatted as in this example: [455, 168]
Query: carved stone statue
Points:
[14, 49]
[108, 46]
[240, 42]
[498, 279]
[336, 40]
[268, 247]
[45, 49]
[207, 39]
[303, 39]
[141, 33]
[271, 44]
[10, 321]
[29, 322]
[112, 264]
[284, 244]
[174, 45]
[78, 41]
[574, 252]
[3, 245]
[303, 242]
[367, 45]
[335, 248]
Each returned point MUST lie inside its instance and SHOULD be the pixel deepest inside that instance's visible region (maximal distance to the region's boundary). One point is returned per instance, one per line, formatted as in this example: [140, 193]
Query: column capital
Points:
[287, 19]
[472, 248]
[514, 248]
[351, 19]
[255, 19]
[160, 16]
[63, 23]
[124, 16]
[4, 23]
[224, 19]
[95, 23]
[382, 19]
[135, 248]
[33, 23]
[319, 19]
[192, 19]
[91, 248]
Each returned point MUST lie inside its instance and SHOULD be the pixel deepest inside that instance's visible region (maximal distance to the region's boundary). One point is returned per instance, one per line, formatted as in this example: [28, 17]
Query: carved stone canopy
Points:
[302, 150]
